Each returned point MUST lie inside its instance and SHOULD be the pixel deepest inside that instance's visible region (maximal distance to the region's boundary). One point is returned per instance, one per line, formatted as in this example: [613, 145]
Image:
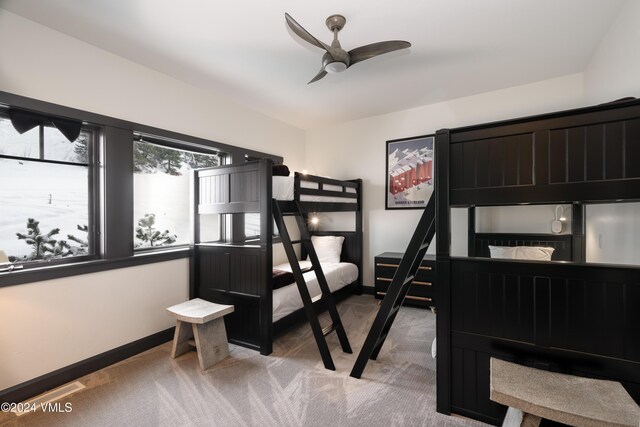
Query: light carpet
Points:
[290, 387]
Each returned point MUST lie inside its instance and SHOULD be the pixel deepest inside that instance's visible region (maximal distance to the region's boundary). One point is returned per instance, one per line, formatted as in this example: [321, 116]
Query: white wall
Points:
[613, 70]
[48, 325]
[521, 219]
[44, 64]
[356, 149]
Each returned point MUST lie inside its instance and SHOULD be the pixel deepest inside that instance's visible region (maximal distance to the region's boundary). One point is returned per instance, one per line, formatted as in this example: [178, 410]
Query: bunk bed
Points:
[567, 316]
[241, 272]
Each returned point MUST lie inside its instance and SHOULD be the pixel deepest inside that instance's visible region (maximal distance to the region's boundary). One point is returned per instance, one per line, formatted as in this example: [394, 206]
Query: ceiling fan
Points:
[336, 59]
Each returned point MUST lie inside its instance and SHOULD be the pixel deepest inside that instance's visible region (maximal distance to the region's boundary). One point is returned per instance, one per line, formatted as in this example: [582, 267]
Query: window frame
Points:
[181, 146]
[93, 188]
[115, 195]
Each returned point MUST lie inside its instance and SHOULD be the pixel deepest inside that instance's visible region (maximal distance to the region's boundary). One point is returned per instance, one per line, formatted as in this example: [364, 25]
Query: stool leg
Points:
[530, 420]
[181, 338]
[211, 342]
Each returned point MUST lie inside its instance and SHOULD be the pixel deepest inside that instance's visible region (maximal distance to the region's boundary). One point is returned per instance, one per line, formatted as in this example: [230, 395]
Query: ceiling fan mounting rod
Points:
[335, 22]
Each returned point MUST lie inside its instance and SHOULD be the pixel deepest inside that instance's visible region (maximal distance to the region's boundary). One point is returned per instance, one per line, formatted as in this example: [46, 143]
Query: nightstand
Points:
[422, 292]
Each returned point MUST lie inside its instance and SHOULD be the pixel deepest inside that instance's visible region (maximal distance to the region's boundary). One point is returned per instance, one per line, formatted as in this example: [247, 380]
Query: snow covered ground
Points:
[57, 195]
[25, 191]
[26, 186]
[166, 196]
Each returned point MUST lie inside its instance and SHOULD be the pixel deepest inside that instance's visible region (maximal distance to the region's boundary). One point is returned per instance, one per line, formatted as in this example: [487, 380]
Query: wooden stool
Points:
[567, 399]
[206, 325]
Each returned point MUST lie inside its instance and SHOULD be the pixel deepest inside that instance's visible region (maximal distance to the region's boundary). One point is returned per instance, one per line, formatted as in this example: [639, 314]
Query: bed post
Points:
[266, 248]
[471, 232]
[443, 290]
[195, 232]
[578, 241]
[360, 254]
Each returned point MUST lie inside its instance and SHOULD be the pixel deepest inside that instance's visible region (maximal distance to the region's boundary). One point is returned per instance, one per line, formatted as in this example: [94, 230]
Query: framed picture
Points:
[409, 179]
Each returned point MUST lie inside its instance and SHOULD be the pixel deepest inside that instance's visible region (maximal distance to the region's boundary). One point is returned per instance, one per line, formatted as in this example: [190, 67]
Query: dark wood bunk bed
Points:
[240, 273]
[570, 316]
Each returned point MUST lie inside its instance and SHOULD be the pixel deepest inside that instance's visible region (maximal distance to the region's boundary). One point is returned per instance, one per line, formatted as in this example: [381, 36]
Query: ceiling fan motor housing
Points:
[336, 61]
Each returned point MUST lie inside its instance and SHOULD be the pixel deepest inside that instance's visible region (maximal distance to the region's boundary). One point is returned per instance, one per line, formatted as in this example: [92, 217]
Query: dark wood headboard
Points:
[560, 242]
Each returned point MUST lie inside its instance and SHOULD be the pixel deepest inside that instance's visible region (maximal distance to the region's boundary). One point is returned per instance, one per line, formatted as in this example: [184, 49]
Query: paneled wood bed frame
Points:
[241, 273]
[567, 316]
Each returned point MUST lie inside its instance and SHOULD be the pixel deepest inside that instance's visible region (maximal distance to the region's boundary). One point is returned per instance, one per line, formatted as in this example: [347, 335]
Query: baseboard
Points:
[36, 386]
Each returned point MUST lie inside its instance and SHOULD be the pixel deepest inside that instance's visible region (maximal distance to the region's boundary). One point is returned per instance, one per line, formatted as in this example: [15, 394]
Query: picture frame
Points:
[409, 172]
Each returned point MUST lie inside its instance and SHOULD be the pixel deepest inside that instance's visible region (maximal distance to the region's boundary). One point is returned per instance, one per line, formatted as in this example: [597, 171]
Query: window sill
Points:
[38, 274]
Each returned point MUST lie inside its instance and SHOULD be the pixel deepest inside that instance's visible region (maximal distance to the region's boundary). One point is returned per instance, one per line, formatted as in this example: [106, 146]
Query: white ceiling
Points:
[243, 49]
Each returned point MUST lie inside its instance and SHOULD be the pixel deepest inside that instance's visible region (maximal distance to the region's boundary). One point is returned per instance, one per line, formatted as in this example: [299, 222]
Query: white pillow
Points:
[537, 253]
[328, 248]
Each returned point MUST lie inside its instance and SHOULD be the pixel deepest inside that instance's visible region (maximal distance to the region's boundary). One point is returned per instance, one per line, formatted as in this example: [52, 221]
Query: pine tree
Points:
[80, 148]
[60, 249]
[170, 161]
[148, 234]
[84, 243]
[41, 243]
[144, 158]
[150, 158]
[198, 161]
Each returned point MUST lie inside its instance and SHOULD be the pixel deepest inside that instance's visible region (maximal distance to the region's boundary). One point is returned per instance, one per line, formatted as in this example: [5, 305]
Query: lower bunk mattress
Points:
[287, 299]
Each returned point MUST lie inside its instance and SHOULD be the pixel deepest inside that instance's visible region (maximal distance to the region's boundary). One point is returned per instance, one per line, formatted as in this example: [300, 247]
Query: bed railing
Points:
[320, 186]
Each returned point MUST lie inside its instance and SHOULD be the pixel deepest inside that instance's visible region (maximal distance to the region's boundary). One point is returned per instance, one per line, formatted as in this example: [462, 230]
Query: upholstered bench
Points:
[202, 320]
[533, 394]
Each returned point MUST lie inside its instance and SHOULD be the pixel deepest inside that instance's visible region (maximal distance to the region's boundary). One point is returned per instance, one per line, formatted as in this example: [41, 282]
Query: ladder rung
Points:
[192, 343]
[326, 331]
[316, 298]
[306, 270]
[424, 245]
[290, 214]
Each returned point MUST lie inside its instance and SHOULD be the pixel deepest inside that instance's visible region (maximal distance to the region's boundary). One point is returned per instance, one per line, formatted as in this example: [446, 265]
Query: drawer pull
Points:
[387, 265]
[419, 298]
[415, 282]
[422, 267]
[384, 279]
[409, 297]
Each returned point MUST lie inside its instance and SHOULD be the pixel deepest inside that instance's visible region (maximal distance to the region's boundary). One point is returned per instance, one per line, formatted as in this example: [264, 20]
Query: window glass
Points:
[14, 144]
[162, 193]
[58, 147]
[44, 206]
[252, 225]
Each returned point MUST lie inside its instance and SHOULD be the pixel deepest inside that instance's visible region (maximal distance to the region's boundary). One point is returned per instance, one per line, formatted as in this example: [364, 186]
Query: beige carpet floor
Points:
[288, 388]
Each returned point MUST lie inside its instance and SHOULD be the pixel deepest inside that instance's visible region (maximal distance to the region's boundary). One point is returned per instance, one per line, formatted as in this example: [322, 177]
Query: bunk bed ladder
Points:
[398, 288]
[305, 240]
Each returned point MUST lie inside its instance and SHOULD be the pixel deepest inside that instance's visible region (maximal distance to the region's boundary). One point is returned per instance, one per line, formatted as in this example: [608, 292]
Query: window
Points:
[162, 193]
[46, 195]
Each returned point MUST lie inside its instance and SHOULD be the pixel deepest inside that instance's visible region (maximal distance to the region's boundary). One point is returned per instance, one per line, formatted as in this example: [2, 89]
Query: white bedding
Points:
[282, 189]
[286, 300]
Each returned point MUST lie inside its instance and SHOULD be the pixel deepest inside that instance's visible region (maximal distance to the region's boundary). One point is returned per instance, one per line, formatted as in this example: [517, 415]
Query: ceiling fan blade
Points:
[304, 34]
[362, 53]
[318, 76]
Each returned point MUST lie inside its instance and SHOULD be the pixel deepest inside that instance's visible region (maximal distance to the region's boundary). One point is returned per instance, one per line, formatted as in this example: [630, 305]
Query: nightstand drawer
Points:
[422, 290]
[415, 290]
[411, 299]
